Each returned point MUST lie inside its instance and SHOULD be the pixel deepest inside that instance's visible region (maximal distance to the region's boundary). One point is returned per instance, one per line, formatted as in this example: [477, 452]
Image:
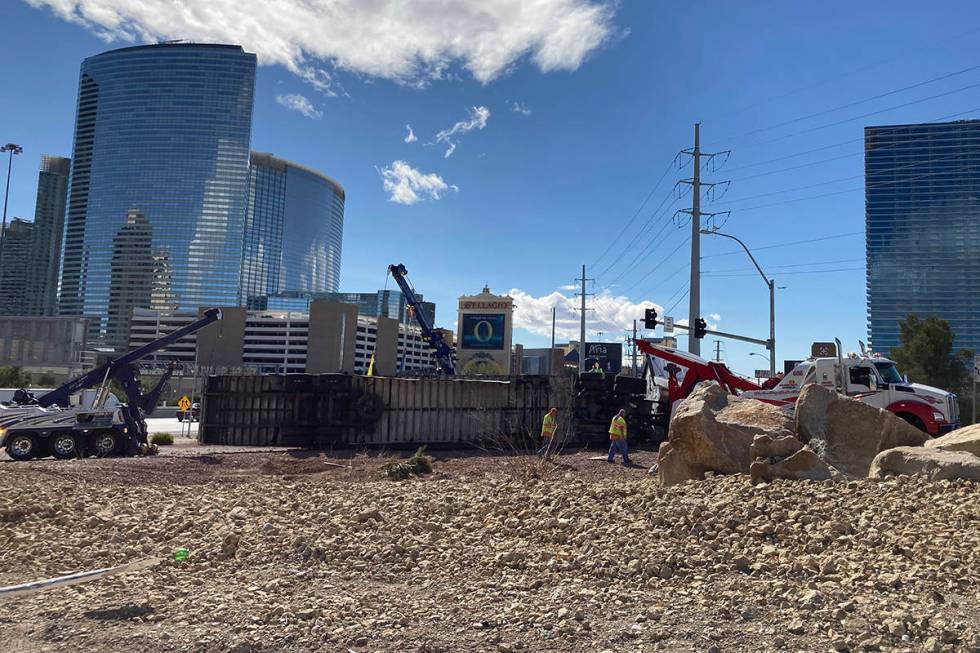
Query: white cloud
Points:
[714, 316]
[299, 103]
[408, 42]
[477, 120]
[613, 314]
[410, 137]
[406, 185]
[521, 108]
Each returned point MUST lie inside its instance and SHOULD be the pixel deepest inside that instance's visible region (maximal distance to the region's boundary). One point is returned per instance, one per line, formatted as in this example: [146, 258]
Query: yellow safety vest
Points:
[617, 429]
[549, 426]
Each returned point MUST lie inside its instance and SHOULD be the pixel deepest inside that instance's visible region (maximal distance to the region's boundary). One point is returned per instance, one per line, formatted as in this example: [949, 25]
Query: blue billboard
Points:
[604, 357]
[482, 331]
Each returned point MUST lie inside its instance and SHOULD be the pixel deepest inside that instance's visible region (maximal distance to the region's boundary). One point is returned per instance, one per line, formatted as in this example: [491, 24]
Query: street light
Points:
[772, 297]
[755, 353]
[11, 149]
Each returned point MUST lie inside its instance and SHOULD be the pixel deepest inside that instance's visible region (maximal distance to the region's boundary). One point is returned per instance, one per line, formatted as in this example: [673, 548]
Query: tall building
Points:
[294, 226]
[161, 151]
[15, 262]
[49, 229]
[922, 188]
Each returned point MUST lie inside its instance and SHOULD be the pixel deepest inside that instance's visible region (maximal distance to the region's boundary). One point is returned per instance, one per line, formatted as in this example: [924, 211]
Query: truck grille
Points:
[954, 408]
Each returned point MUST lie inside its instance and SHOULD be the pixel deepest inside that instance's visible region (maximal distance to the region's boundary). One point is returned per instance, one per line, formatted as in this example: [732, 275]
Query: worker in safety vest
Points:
[548, 428]
[617, 439]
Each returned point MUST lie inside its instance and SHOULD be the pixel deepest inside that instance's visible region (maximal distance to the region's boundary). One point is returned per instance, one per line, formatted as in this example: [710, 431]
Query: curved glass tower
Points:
[156, 204]
[922, 188]
[294, 228]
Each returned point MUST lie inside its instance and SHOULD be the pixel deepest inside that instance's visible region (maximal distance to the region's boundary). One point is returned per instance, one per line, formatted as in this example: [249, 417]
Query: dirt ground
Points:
[300, 551]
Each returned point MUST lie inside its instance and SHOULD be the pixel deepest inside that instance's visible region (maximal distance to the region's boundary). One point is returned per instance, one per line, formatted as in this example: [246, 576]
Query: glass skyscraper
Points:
[922, 186]
[294, 226]
[160, 171]
[49, 230]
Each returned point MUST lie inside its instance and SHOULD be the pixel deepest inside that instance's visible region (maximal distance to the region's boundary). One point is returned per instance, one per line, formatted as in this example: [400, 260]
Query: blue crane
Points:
[30, 433]
[444, 353]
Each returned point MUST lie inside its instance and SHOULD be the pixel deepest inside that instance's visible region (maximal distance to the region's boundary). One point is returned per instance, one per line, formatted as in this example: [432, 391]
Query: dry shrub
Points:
[417, 465]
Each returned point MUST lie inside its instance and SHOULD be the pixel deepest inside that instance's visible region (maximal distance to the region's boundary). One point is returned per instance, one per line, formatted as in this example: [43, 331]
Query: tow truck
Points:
[50, 425]
[445, 355]
[867, 377]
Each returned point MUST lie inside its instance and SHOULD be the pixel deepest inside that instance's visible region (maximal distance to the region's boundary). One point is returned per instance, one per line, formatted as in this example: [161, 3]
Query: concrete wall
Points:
[332, 337]
[223, 342]
[386, 347]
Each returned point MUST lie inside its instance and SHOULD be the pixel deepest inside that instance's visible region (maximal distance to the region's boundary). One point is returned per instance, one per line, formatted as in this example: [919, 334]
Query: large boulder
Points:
[965, 439]
[930, 462]
[804, 464]
[712, 430]
[848, 434]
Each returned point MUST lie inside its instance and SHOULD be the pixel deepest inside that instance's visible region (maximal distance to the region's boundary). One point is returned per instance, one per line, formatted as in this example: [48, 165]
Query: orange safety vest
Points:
[549, 426]
[617, 429]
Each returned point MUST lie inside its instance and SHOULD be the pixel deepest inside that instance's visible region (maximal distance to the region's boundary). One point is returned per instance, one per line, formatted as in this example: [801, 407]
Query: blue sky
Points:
[607, 92]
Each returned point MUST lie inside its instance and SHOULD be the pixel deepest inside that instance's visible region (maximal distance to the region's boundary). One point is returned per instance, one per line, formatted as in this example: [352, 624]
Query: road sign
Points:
[976, 368]
[763, 374]
[668, 325]
[184, 403]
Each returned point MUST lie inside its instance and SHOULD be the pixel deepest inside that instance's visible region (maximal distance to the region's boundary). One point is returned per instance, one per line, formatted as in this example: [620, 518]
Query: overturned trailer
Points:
[338, 410]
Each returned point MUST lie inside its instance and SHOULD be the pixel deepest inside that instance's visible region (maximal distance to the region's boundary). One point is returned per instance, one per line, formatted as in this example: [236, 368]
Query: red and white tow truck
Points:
[866, 377]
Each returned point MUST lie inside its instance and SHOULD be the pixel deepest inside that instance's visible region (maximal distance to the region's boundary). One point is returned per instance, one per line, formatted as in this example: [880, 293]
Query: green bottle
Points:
[181, 554]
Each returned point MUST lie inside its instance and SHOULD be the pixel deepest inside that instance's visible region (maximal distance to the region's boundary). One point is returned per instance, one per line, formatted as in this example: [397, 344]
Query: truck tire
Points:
[23, 446]
[913, 420]
[105, 443]
[65, 445]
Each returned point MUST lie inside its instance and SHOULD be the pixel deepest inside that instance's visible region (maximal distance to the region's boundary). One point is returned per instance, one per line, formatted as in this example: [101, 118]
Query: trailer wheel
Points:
[105, 443]
[64, 446]
[22, 446]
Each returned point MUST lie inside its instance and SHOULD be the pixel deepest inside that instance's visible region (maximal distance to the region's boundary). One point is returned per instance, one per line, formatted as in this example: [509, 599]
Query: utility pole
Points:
[694, 294]
[581, 345]
[11, 149]
[634, 349]
[551, 354]
[717, 351]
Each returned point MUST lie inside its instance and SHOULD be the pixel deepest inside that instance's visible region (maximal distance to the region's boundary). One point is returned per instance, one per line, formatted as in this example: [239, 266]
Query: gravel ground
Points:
[300, 552]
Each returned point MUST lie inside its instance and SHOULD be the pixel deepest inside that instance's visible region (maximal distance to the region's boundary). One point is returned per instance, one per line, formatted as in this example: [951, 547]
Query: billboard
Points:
[609, 355]
[482, 331]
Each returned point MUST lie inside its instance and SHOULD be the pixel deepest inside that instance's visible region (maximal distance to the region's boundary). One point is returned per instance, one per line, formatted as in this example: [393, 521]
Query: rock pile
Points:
[493, 563]
[830, 437]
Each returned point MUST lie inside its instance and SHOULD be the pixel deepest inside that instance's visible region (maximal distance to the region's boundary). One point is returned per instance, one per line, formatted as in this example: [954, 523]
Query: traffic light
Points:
[650, 318]
[700, 327]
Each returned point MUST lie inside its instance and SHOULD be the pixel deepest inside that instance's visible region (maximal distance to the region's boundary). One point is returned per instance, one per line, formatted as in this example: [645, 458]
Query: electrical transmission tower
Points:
[694, 312]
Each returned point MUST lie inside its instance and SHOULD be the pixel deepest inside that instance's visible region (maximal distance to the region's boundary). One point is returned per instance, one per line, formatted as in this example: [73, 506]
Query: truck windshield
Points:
[889, 373]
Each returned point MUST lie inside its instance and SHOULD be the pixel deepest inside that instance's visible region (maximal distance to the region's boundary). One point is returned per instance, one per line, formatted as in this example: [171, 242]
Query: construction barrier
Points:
[329, 410]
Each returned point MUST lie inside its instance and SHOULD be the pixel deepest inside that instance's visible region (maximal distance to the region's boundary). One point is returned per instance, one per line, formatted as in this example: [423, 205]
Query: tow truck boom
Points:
[443, 352]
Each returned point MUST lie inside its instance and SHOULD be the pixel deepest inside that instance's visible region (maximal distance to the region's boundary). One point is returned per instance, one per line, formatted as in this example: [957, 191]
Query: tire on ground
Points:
[65, 445]
[105, 443]
[23, 446]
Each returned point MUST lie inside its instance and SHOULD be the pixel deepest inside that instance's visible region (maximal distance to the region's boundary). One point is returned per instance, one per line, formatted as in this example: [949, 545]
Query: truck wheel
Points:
[105, 444]
[22, 446]
[913, 420]
[64, 446]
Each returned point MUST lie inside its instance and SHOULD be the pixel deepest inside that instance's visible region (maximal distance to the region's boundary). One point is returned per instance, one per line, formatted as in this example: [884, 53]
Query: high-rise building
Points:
[294, 226]
[161, 152]
[49, 229]
[922, 188]
[15, 260]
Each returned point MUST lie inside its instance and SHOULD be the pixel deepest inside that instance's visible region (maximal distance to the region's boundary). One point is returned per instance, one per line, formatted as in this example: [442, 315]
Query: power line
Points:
[862, 101]
[790, 265]
[788, 244]
[635, 214]
[782, 274]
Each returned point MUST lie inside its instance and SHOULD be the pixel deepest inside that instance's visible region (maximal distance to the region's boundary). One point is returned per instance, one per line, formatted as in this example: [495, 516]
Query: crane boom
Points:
[443, 352]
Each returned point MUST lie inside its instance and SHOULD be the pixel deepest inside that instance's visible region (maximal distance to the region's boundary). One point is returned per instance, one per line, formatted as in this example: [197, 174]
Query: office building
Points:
[15, 267]
[922, 189]
[294, 226]
[384, 303]
[49, 229]
[278, 342]
[37, 345]
[161, 165]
